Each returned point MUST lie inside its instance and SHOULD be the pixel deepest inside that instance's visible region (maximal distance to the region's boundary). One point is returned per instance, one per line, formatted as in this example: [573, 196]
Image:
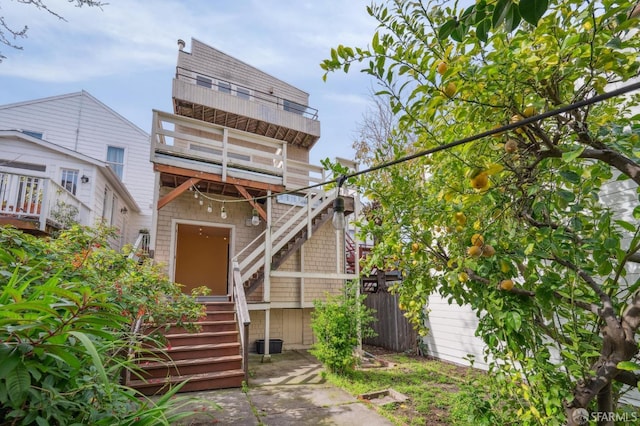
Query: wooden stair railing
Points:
[288, 249]
[296, 227]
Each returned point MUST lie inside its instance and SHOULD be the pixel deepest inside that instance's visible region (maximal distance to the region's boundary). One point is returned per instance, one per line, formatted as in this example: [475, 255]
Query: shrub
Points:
[63, 339]
[337, 324]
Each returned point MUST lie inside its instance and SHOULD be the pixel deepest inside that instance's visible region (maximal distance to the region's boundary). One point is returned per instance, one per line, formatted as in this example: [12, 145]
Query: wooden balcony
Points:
[247, 110]
[183, 148]
[37, 205]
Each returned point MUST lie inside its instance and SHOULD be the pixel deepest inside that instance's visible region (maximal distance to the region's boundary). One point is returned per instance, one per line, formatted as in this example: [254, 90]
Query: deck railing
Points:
[40, 200]
[247, 93]
[197, 144]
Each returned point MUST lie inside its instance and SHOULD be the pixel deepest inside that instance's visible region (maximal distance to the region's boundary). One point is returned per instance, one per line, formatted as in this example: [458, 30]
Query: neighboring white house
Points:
[75, 150]
[452, 327]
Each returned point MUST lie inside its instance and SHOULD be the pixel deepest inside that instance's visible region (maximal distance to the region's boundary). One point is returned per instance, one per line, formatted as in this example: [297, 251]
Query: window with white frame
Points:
[115, 160]
[69, 180]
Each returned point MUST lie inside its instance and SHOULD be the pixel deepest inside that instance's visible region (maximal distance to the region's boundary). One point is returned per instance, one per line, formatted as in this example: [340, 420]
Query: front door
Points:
[202, 258]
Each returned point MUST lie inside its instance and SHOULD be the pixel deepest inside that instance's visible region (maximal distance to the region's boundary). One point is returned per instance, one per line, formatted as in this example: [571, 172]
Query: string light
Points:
[339, 201]
[223, 212]
[209, 208]
[338, 221]
[255, 219]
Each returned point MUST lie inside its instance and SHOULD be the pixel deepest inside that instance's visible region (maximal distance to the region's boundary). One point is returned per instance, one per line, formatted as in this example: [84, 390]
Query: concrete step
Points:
[163, 369]
[197, 382]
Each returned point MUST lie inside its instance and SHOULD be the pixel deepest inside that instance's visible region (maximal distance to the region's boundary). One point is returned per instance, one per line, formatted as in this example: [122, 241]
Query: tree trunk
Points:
[605, 406]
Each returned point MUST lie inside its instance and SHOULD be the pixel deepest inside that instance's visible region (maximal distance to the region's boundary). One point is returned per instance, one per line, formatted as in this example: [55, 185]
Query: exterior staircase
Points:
[290, 247]
[287, 237]
[209, 359]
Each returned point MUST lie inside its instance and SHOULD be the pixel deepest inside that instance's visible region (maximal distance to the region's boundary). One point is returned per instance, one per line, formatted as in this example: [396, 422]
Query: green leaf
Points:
[569, 156]
[628, 366]
[8, 364]
[19, 381]
[91, 349]
[447, 28]
[514, 321]
[500, 12]
[532, 10]
[570, 176]
[512, 19]
[482, 30]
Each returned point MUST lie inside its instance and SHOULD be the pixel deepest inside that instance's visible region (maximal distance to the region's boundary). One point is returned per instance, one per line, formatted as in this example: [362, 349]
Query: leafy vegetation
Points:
[71, 312]
[337, 323]
[515, 225]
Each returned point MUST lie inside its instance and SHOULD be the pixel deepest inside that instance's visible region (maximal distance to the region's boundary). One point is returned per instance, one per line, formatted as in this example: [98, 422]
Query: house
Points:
[238, 208]
[71, 157]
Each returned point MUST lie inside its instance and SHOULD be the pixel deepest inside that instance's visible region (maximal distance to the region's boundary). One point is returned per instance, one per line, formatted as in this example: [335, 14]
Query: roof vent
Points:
[181, 44]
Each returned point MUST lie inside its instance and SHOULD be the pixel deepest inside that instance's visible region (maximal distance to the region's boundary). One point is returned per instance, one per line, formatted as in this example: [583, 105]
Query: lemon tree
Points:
[540, 255]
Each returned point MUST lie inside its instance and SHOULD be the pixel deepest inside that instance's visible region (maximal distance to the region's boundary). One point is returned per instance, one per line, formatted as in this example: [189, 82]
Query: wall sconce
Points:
[255, 219]
[124, 210]
[84, 179]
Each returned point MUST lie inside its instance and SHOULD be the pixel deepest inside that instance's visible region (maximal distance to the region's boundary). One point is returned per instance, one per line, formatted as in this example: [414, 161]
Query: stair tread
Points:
[201, 334]
[190, 377]
[206, 322]
[196, 347]
[185, 362]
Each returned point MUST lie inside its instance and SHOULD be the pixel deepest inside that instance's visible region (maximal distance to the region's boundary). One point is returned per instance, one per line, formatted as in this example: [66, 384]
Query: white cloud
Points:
[130, 39]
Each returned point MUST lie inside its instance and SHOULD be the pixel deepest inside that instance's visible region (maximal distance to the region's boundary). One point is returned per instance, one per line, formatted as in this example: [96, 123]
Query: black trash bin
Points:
[275, 346]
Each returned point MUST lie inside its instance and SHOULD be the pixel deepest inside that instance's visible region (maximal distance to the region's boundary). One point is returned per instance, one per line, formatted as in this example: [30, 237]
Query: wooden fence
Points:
[394, 330]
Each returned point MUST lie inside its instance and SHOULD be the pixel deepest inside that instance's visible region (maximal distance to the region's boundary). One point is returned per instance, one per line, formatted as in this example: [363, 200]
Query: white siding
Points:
[14, 150]
[452, 333]
[452, 327]
[80, 122]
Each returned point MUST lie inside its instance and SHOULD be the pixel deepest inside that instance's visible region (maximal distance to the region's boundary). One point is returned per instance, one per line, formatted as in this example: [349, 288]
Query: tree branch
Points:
[620, 162]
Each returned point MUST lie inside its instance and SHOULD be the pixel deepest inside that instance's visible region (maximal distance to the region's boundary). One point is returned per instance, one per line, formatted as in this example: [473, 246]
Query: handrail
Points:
[141, 245]
[295, 107]
[243, 318]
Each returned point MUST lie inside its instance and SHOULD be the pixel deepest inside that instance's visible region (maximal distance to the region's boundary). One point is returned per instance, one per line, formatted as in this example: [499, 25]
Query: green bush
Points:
[64, 341]
[337, 324]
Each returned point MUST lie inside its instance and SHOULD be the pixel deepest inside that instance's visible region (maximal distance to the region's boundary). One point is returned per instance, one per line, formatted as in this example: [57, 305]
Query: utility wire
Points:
[539, 117]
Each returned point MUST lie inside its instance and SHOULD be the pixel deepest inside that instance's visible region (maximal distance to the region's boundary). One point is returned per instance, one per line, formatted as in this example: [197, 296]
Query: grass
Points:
[437, 391]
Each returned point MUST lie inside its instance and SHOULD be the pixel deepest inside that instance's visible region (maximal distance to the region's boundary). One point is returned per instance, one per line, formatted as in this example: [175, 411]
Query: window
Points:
[224, 87]
[69, 180]
[115, 160]
[114, 204]
[293, 107]
[243, 93]
[203, 81]
[107, 205]
[37, 135]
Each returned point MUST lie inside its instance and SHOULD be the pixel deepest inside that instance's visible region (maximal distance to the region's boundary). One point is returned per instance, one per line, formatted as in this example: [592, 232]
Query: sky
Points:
[125, 54]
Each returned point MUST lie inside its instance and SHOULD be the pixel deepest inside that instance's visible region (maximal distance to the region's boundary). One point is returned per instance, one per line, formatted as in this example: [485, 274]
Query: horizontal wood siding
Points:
[81, 123]
[452, 333]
